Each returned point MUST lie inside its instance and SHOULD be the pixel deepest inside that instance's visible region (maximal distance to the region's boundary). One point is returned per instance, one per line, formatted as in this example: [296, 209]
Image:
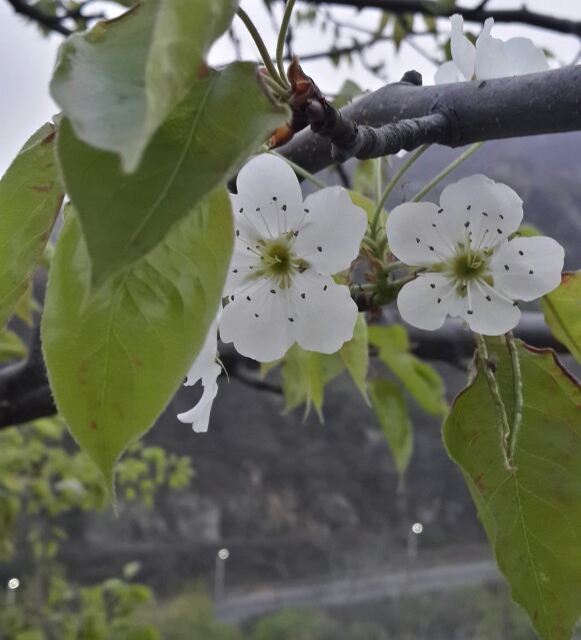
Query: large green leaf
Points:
[422, 381]
[391, 410]
[224, 117]
[355, 355]
[115, 357]
[30, 198]
[119, 82]
[562, 309]
[532, 515]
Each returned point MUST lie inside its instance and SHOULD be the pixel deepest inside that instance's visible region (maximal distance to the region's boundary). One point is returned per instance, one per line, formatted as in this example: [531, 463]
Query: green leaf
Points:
[562, 309]
[116, 357]
[532, 515]
[359, 200]
[11, 346]
[355, 355]
[205, 140]
[346, 93]
[30, 198]
[391, 410]
[305, 375]
[119, 82]
[422, 381]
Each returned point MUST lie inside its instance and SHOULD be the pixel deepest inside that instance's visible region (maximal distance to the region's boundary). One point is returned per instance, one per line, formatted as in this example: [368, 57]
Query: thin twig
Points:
[446, 171]
[288, 10]
[393, 182]
[502, 418]
[518, 395]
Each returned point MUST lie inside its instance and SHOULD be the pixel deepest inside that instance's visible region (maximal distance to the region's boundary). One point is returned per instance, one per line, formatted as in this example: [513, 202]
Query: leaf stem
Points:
[300, 171]
[445, 172]
[504, 430]
[259, 42]
[518, 395]
[392, 184]
[288, 9]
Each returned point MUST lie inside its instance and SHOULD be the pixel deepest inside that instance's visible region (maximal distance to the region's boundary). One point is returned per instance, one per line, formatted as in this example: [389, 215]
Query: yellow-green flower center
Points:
[278, 260]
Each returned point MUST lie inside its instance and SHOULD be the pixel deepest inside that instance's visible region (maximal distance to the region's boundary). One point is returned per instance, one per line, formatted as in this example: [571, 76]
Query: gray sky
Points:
[27, 58]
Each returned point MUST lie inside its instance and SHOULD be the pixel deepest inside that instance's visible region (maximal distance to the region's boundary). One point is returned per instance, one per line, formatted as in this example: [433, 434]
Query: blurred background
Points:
[273, 525]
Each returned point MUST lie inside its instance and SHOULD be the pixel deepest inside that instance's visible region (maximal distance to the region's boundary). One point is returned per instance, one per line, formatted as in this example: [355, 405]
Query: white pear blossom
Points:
[206, 369]
[279, 287]
[490, 58]
[472, 265]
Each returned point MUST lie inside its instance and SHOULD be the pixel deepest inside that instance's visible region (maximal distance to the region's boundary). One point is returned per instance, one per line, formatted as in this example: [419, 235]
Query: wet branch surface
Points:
[405, 115]
[25, 393]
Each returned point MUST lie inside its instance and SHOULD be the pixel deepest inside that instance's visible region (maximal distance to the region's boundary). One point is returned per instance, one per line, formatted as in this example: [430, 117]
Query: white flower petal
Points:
[528, 268]
[243, 266]
[199, 415]
[492, 209]
[269, 195]
[463, 51]
[324, 312]
[425, 301]
[447, 73]
[415, 236]
[487, 312]
[331, 231]
[206, 357]
[258, 321]
[498, 59]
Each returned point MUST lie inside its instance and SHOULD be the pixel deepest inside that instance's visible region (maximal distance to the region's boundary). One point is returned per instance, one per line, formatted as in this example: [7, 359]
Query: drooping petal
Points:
[498, 59]
[207, 355]
[487, 311]
[199, 415]
[331, 231]
[448, 72]
[426, 301]
[243, 266]
[258, 321]
[490, 211]
[528, 268]
[463, 51]
[269, 195]
[324, 312]
[415, 235]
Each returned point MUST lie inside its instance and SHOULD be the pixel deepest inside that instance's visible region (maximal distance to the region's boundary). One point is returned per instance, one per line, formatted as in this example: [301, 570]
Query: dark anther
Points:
[506, 267]
[418, 240]
[439, 300]
[488, 298]
[283, 207]
[320, 249]
[291, 319]
[325, 288]
[234, 270]
[303, 296]
[469, 207]
[273, 291]
[432, 285]
[248, 298]
[501, 216]
[485, 214]
[256, 315]
[467, 224]
[440, 210]
[237, 232]
[521, 253]
[531, 272]
[274, 198]
[470, 312]
[499, 231]
[431, 248]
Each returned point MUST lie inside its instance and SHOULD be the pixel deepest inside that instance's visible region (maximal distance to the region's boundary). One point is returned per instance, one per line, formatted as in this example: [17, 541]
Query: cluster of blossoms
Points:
[280, 288]
[490, 58]
[468, 258]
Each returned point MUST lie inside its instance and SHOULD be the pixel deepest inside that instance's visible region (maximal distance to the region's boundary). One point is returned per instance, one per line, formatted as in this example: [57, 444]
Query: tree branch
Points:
[52, 23]
[534, 104]
[25, 394]
[477, 14]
